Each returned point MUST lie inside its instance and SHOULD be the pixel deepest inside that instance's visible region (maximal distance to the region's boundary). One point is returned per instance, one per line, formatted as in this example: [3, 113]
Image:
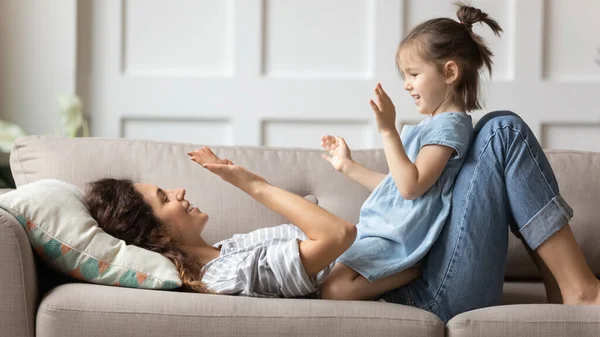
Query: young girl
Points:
[405, 213]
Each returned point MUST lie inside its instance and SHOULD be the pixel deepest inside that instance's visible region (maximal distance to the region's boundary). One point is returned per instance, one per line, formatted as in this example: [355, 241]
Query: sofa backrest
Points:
[167, 165]
[301, 171]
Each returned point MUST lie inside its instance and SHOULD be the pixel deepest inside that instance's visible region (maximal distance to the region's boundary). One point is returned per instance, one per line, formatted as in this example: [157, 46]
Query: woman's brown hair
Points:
[443, 39]
[121, 211]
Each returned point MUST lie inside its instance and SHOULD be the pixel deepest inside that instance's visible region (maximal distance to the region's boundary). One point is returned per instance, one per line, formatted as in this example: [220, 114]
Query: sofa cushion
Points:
[80, 309]
[532, 320]
[64, 235]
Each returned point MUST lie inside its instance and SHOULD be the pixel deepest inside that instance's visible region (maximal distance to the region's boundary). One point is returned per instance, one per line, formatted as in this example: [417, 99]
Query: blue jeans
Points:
[505, 182]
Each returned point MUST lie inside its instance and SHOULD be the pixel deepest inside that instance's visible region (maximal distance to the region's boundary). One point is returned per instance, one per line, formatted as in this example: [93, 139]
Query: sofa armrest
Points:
[18, 280]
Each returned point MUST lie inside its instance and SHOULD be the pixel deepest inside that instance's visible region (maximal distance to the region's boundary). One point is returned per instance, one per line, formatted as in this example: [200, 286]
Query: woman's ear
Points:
[451, 72]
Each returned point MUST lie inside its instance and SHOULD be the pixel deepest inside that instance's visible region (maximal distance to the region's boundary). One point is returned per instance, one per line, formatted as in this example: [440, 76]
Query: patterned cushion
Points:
[64, 234]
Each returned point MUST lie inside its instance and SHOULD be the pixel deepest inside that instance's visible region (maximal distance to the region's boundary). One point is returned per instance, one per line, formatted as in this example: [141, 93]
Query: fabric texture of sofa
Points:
[37, 301]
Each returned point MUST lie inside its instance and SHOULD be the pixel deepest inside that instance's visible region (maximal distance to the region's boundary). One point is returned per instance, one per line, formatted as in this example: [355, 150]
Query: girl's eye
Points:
[413, 75]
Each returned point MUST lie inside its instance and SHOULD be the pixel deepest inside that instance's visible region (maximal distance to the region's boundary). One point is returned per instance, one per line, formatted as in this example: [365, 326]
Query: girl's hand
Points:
[338, 150]
[385, 112]
[224, 168]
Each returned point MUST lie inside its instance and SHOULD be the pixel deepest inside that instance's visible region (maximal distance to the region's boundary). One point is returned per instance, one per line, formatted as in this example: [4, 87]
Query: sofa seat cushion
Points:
[543, 320]
[81, 309]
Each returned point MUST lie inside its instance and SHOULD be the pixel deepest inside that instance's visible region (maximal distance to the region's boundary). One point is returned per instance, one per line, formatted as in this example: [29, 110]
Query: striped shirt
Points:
[262, 263]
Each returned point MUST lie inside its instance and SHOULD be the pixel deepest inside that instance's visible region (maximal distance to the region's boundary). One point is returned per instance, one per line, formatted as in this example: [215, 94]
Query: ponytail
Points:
[469, 16]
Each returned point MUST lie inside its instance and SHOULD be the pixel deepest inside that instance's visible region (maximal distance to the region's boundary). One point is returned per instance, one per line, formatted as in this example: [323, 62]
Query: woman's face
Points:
[184, 222]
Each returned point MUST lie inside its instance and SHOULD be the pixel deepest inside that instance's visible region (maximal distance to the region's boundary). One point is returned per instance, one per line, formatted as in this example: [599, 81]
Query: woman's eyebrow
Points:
[160, 194]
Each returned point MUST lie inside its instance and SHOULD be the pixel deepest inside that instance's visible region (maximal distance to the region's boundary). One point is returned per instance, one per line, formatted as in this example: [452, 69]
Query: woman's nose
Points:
[179, 193]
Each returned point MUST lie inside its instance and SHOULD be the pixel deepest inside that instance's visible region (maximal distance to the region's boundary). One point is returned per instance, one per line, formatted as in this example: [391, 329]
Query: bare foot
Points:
[589, 296]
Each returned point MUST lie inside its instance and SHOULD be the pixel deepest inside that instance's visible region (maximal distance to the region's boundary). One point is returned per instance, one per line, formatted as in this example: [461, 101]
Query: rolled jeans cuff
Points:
[549, 220]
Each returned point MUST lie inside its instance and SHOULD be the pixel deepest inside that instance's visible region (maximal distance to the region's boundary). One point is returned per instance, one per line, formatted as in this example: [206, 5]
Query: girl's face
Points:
[430, 89]
[184, 222]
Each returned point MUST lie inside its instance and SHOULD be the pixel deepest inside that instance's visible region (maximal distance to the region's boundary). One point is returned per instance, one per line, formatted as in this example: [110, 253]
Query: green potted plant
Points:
[72, 118]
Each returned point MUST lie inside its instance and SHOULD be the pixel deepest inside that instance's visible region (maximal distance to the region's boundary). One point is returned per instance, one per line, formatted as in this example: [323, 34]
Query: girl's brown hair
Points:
[120, 211]
[443, 39]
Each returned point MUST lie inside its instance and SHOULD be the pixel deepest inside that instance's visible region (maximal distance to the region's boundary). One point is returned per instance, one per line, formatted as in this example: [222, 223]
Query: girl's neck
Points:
[448, 106]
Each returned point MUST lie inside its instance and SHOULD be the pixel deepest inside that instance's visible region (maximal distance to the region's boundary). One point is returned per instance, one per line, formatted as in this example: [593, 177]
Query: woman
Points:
[505, 179]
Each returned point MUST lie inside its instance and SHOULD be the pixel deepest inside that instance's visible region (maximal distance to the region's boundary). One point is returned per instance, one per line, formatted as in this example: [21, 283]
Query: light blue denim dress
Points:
[393, 233]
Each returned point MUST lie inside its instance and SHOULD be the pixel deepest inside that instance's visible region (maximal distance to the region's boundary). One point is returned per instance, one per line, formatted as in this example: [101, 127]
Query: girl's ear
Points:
[451, 72]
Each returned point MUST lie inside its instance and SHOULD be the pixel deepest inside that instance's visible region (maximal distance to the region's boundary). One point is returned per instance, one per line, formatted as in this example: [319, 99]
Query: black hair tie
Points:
[469, 25]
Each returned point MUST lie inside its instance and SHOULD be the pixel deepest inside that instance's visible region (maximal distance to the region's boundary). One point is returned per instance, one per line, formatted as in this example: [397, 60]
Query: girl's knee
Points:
[338, 288]
[333, 290]
[338, 285]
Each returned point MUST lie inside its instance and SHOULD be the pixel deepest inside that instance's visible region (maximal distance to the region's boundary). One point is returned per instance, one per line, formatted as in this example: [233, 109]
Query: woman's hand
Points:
[224, 168]
[385, 112]
[339, 153]
[205, 155]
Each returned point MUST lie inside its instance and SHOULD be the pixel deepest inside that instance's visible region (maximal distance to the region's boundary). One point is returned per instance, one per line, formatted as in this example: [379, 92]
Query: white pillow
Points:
[64, 235]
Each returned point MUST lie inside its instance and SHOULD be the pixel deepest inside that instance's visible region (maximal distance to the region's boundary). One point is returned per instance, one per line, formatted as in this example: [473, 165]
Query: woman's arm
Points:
[328, 235]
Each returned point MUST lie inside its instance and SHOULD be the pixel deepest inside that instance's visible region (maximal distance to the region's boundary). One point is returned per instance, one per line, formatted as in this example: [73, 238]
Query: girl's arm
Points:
[413, 180]
[367, 178]
[328, 235]
[341, 160]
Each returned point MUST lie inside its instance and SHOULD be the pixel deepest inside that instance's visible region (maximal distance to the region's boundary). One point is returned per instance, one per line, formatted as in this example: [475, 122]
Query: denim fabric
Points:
[393, 233]
[505, 183]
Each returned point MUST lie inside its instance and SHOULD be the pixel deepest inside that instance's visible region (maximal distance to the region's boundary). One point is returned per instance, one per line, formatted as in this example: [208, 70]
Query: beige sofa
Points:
[35, 301]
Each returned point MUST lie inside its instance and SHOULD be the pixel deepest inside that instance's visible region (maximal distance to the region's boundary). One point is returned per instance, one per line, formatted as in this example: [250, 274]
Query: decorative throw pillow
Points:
[65, 236]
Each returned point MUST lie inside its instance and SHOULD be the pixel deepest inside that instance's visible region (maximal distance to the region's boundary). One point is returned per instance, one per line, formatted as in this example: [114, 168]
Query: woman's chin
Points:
[196, 216]
[197, 211]
[204, 220]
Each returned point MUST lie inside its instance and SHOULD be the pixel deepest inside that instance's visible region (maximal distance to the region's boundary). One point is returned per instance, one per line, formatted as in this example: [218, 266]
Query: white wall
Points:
[37, 61]
[281, 72]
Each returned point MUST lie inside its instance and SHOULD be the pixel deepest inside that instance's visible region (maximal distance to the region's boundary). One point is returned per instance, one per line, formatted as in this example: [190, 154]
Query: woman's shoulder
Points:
[241, 248]
[266, 236]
